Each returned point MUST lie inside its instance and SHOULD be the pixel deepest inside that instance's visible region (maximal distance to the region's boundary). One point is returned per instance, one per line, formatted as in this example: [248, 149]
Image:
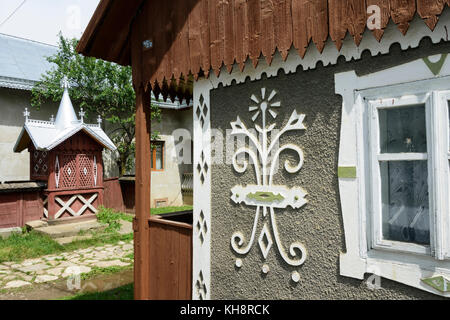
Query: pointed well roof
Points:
[46, 135]
[66, 116]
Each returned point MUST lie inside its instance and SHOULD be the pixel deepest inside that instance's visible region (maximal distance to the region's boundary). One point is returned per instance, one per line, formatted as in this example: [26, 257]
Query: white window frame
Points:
[444, 167]
[374, 159]
[366, 252]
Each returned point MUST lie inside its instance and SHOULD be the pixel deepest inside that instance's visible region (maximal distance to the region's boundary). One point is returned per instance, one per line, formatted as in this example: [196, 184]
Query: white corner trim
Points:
[411, 78]
[201, 236]
[416, 32]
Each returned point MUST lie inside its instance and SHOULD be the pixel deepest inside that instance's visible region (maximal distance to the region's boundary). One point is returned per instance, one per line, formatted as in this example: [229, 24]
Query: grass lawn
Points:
[170, 209]
[28, 245]
[121, 293]
[18, 247]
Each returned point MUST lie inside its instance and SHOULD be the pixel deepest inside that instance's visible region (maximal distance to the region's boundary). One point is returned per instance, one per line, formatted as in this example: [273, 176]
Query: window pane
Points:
[159, 155]
[403, 129]
[405, 206]
[151, 160]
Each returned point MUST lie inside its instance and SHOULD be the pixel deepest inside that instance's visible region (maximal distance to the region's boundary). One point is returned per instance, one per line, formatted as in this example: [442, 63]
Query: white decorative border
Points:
[201, 268]
[405, 268]
[416, 32]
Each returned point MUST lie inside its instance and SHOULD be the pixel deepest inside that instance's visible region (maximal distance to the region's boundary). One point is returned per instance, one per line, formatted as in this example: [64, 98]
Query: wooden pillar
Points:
[142, 188]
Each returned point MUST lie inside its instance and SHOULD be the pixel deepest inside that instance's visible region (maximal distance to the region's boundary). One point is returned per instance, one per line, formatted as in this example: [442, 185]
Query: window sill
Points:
[408, 269]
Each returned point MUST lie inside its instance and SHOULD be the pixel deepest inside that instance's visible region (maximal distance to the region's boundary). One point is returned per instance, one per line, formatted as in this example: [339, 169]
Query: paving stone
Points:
[25, 277]
[90, 261]
[74, 270]
[89, 255]
[53, 263]
[52, 258]
[32, 261]
[111, 263]
[121, 243]
[126, 227]
[100, 256]
[8, 263]
[36, 224]
[119, 254]
[16, 284]
[45, 278]
[3, 267]
[55, 271]
[34, 268]
[10, 277]
[127, 247]
[66, 264]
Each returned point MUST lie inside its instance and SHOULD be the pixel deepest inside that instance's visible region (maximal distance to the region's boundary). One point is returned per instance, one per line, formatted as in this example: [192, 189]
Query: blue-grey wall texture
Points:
[318, 224]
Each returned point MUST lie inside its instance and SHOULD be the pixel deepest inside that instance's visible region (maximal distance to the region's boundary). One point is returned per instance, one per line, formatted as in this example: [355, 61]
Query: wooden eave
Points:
[193, 37]
[107, 35]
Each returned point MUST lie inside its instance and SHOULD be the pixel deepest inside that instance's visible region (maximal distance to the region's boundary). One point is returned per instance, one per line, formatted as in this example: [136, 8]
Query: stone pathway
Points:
[57, 266]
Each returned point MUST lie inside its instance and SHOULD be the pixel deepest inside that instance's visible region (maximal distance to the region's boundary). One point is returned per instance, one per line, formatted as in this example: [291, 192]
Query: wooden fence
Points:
[119, 194]
[170, 259]
[20, 203]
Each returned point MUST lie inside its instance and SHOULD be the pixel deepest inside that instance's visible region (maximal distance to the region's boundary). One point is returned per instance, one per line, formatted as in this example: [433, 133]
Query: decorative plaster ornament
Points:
[295, 276]
[265, 196]
[439, 283]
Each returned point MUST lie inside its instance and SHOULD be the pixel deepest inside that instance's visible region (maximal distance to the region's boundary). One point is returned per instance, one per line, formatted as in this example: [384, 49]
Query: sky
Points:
[41, 20]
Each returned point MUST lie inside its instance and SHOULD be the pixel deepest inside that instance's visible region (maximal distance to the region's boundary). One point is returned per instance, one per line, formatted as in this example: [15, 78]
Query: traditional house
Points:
[354, 200]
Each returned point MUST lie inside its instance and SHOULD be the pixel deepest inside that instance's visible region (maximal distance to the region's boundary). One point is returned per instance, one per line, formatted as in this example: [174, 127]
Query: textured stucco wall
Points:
[318, 224]
[16, 166]
[166, 184]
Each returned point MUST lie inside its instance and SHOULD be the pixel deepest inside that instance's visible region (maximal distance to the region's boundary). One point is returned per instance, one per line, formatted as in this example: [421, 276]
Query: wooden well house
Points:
[66, 153]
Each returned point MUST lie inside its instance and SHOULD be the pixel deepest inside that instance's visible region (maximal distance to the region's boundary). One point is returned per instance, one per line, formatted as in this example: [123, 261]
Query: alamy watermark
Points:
[374, 19]
[73, 17]
[373, 282]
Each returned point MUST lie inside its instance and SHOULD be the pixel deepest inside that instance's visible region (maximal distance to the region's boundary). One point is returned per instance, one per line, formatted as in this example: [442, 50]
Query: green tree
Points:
[100, 88]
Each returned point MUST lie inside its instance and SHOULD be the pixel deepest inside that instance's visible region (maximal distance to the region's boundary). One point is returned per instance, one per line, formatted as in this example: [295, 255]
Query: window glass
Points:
[151, 161]
[159, 156]
[405, 204]
[403, 129]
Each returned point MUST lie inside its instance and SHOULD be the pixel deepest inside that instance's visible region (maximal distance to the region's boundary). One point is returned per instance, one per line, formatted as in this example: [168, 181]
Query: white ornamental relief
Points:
[267, 198]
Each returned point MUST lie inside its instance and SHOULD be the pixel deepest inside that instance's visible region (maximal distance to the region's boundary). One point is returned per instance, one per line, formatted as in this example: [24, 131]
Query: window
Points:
[400, 153]
[394, 174]
[409, 173]
[157, 160]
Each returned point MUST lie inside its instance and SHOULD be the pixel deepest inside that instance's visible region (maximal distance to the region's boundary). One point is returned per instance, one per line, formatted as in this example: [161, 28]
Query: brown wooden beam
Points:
[143, 182]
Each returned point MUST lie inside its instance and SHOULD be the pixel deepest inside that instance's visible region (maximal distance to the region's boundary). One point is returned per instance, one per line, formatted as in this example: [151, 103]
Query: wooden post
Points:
[142, 188]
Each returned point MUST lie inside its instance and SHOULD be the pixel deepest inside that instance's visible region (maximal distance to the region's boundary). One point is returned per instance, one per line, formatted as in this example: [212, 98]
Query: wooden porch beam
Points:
[143, 182]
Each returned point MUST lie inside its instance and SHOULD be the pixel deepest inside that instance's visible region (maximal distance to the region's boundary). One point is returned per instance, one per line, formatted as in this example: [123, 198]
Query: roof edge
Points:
[94, 23]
